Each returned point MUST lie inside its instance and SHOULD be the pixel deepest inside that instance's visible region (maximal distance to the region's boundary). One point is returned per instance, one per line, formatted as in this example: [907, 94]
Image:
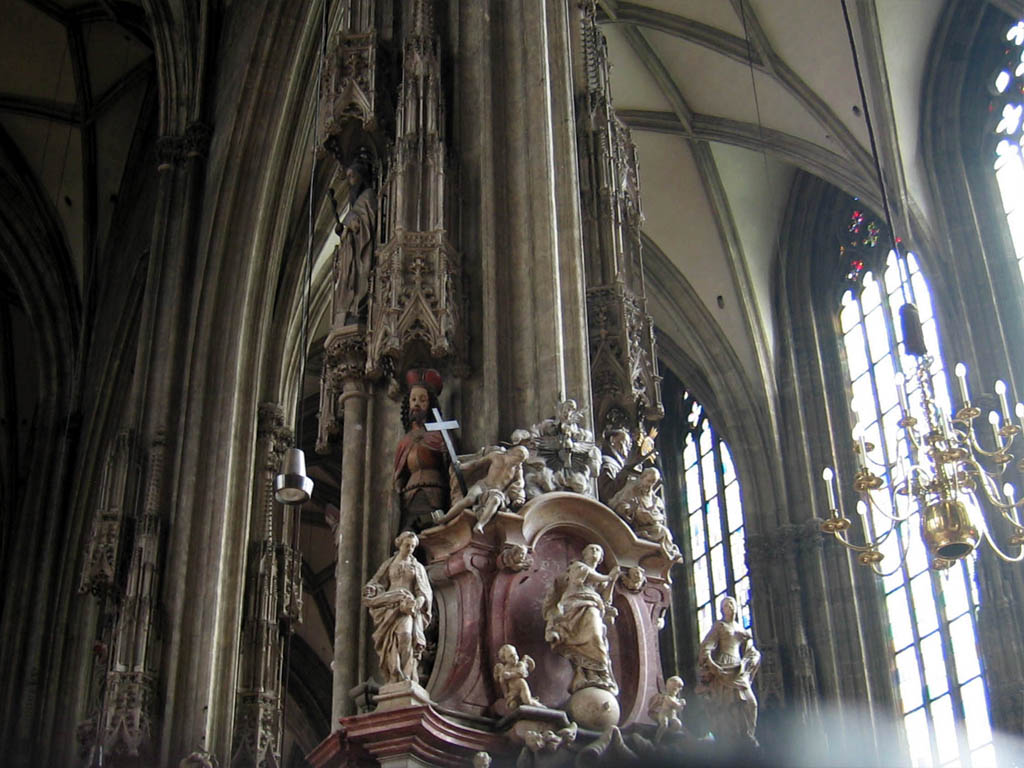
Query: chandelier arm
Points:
[871, 547]
[894, 518]
[995, 547]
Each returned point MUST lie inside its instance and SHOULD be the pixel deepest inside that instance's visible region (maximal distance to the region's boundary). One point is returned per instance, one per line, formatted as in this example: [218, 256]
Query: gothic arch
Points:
[40, 443]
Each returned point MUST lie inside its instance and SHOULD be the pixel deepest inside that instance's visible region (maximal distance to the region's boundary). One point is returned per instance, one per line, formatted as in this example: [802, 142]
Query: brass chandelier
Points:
[947, 476]
[943, 466]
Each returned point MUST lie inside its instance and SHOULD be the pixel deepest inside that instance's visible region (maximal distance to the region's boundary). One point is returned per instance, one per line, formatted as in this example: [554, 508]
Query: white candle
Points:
[828, 476]
[901, 392]
[993, 420]
[862, 510]
[961, 381]
[1004, 406]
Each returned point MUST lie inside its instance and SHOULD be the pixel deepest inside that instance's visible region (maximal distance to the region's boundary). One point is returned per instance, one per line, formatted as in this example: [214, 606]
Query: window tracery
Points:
[714, 512]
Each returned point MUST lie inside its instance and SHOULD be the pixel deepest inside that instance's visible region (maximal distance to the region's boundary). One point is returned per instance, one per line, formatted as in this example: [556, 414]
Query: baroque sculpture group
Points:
[548, 490]
[519, 612]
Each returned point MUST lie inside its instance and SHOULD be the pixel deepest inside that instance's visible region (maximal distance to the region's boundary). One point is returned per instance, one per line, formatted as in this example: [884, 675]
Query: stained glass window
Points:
[932, 615]
[1008, 108]
[712, 504]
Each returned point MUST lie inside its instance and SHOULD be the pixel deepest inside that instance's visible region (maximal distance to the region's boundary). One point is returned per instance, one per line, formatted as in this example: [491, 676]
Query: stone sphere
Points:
[594, 708]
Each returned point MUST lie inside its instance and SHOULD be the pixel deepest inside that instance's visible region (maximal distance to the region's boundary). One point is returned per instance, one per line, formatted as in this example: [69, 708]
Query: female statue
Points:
[399, 598]
[577, 611]
[726, 675]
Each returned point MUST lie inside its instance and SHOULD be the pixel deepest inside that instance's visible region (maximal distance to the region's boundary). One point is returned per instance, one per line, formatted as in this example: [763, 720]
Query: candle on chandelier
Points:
[993, 420]
[901, 391]
[1003, 404]
[862, 510]
[829, 477]
[1010, 492]
[961, 382]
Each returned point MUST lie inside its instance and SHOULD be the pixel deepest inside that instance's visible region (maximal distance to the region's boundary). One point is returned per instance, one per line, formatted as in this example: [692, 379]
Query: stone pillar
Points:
[344, 368]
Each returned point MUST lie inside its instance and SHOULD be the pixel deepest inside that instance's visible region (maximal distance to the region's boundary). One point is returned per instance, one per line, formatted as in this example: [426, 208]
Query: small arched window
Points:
[714, 518]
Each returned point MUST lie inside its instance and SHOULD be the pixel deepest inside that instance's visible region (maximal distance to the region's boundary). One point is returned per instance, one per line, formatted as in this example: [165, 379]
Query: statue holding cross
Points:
[421, 465]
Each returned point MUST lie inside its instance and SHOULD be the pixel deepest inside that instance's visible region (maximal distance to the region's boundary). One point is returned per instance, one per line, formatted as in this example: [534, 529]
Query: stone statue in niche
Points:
[501, 488]
[621, 461]
[568, 448]
[510, 674]
[353, 257]
[421, 463]
[640, 505]
[726, 672]
[577, 612]
[664, 708]
[399, 598]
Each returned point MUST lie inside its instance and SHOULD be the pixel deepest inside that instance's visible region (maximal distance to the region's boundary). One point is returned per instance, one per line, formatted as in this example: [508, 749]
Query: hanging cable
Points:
[887, 210]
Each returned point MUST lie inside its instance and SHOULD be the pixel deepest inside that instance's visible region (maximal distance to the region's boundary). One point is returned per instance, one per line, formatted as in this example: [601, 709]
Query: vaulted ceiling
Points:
[728, 99]
[73, 76]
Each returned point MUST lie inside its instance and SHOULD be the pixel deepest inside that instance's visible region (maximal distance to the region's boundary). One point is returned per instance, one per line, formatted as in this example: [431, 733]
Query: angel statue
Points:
[510, 674]
[577, 611]
[726, 675]
[399, 598]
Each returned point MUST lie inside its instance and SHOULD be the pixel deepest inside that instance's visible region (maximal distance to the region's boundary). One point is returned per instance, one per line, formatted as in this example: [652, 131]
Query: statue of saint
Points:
[621, 461]
[726, 674]
[577, 611]
[640, 505]
[399, 598]
[421, 473]
[353, 258]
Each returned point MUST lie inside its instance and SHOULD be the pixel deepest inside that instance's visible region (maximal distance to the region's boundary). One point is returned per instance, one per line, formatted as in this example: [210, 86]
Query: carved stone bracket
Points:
[172, 151]
[344, 366]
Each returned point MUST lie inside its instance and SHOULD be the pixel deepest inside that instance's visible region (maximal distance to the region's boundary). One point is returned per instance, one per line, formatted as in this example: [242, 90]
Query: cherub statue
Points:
[640, 505]
[665, 707]
[501, 488]
[510, 674]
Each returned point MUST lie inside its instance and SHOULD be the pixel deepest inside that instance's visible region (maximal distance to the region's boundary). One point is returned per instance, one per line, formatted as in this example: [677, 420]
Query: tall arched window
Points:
[1008, 105]
[932, 615]
[714, 518]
